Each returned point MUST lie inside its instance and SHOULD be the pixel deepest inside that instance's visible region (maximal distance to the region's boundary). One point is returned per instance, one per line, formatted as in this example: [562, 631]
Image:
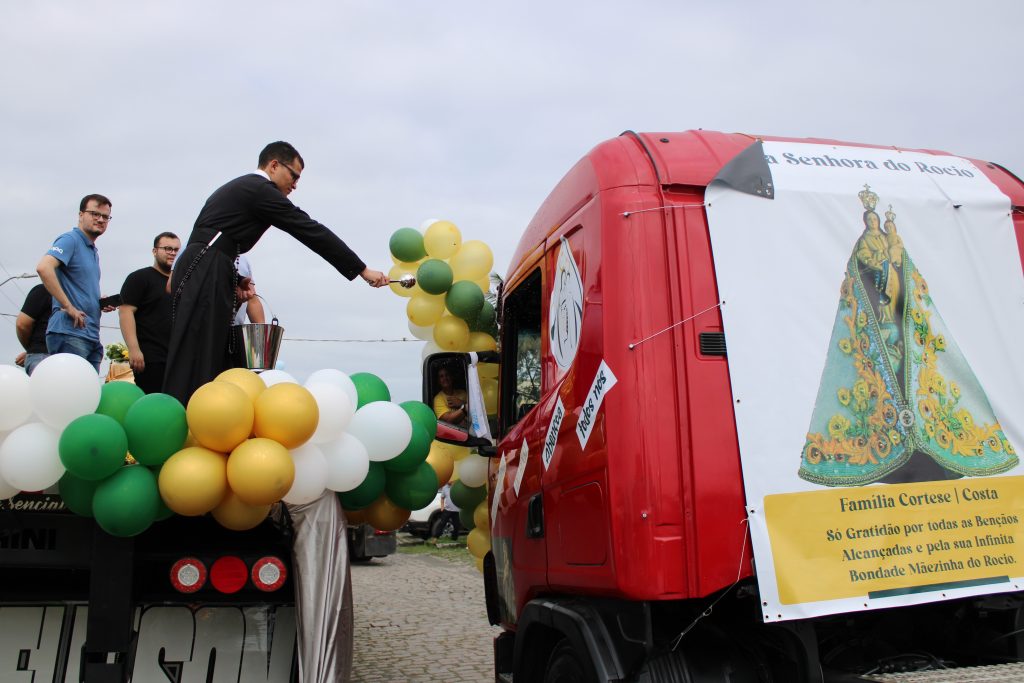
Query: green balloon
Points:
[466, 498]
[407, 245]
[367, 492]
[117, 397]
[422, 414]
[434, 276]
[486, 320]
[156, 428]
[369, 388]
[465, 300]
[466, 517]
[414, 454]
[412, 490]
[93, 446]
[77, 493]
[127, 503]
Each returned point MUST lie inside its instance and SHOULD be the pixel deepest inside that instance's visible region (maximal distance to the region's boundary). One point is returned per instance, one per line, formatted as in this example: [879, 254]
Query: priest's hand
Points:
[374, 278]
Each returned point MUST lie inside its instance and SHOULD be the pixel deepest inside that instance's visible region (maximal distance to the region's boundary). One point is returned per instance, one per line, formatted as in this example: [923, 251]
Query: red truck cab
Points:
[620, 547]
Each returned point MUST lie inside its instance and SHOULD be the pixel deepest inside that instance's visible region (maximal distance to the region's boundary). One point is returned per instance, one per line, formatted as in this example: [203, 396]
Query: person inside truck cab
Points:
[450, 403]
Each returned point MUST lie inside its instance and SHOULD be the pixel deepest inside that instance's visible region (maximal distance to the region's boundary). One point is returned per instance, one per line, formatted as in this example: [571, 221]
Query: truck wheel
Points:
[565, 666]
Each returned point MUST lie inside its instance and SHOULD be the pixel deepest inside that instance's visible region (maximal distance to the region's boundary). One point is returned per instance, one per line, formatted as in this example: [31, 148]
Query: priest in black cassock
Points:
[205, 287]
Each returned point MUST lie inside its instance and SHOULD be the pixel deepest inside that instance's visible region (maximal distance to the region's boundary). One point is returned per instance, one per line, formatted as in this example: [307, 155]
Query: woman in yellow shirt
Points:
[450, 403]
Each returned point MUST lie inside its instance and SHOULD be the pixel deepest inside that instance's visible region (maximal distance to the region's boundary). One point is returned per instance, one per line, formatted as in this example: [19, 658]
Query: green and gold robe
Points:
[895, 382]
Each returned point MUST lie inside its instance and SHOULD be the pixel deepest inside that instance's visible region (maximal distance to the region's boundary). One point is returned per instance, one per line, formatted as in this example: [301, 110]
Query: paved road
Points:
[420, 619]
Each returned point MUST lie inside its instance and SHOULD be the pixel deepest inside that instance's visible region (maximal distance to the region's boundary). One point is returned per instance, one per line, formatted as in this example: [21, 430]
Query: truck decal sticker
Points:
[552, 438]
[565, 312]
[603, 382]
[499, 485]
[524, 456]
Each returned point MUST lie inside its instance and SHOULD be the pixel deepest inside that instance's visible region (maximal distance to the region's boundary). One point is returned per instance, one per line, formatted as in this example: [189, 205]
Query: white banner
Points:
[874, 311]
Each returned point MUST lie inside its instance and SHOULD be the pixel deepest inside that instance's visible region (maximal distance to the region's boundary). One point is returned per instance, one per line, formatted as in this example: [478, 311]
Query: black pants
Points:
[151, 380]
[203, 302]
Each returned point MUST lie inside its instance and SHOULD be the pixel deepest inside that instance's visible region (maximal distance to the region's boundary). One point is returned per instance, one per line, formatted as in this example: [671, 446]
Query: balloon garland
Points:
[244, 442]
[448, 309]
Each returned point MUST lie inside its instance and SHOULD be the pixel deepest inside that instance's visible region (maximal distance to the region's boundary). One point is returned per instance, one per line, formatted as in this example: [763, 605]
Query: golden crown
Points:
[868, 198]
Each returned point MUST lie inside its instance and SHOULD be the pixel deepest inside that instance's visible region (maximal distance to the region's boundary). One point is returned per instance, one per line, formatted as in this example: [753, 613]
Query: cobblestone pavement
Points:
[420, 619]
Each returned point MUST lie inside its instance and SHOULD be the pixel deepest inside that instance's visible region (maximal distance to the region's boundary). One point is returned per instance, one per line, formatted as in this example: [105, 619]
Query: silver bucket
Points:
[257, 345]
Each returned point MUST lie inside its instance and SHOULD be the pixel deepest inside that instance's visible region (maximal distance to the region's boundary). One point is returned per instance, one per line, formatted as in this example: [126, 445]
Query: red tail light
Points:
[382, 533]
[268, 574]
[188, 575]
[229, 574]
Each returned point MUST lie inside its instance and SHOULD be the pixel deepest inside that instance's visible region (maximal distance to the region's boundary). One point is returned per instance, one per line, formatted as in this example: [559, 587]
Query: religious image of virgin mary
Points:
[897, 400]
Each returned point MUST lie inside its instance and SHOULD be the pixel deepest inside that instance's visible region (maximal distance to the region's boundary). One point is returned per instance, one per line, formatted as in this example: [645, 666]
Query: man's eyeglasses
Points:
[170, 250]
[295, 176]
[98, 216]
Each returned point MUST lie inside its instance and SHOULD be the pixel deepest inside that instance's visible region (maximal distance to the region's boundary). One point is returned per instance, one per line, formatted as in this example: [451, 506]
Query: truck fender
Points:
[578, 621]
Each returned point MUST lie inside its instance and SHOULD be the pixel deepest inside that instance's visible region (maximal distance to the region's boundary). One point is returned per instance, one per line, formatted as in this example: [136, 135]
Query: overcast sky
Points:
[465, 111]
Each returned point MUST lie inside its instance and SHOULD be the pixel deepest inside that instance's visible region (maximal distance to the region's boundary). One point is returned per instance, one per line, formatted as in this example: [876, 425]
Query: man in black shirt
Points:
[145, 314]
[31, 327]
[205, 286]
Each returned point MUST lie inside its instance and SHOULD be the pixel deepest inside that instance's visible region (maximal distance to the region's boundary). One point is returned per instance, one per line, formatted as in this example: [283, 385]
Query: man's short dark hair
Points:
[279, 151]
[168, 235]
[100, 201]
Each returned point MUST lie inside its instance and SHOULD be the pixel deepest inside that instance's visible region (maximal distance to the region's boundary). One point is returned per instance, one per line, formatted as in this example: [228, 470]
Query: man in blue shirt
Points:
[70, 271]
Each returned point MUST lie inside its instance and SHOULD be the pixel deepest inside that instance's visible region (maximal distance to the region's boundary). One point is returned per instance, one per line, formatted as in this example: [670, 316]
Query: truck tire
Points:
[565, 665]
[442, 526]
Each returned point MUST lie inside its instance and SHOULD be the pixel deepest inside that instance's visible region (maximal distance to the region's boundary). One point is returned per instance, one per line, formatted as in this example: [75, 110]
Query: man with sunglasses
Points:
[70, 271]
[205, 287]
[145, 314]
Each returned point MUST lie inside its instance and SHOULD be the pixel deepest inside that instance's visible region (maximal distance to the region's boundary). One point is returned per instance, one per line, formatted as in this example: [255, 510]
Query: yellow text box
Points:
[891, 539]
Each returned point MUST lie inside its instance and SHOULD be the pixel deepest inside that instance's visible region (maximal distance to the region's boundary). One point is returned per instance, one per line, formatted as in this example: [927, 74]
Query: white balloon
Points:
[339, 378]
[430, 348]
[64, 386]
[424, 332]
[29, 459]
[280, 365]
[15, 397]
[336, 410]
[427, 223]
[6, 490]
[310, 475]
[272, 377]
[347, 463]
[383, 427]
[472, 470]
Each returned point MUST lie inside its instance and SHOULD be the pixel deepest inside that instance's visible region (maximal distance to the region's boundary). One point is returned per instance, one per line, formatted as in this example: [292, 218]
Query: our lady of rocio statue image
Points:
[897, 401]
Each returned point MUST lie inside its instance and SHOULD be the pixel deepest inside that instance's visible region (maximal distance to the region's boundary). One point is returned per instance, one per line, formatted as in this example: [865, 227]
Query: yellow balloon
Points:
[484, 284]
[355, 517]
[260, 471]
[472, 261]
[442, 239]
[442, 462]
[489, 387]
[220, 415]
[482, 515]
[425, 309]
[383, 515]
[451, 333]
[193, 481]
[286, 413]
[479, 562]
[247, 380]
[478, 542]
[457, 452]
[481, 341]
[487, 370]
[396, 272]
[236, 515]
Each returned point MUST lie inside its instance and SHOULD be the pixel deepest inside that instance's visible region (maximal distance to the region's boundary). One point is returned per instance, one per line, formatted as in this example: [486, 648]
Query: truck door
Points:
[516, 507]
